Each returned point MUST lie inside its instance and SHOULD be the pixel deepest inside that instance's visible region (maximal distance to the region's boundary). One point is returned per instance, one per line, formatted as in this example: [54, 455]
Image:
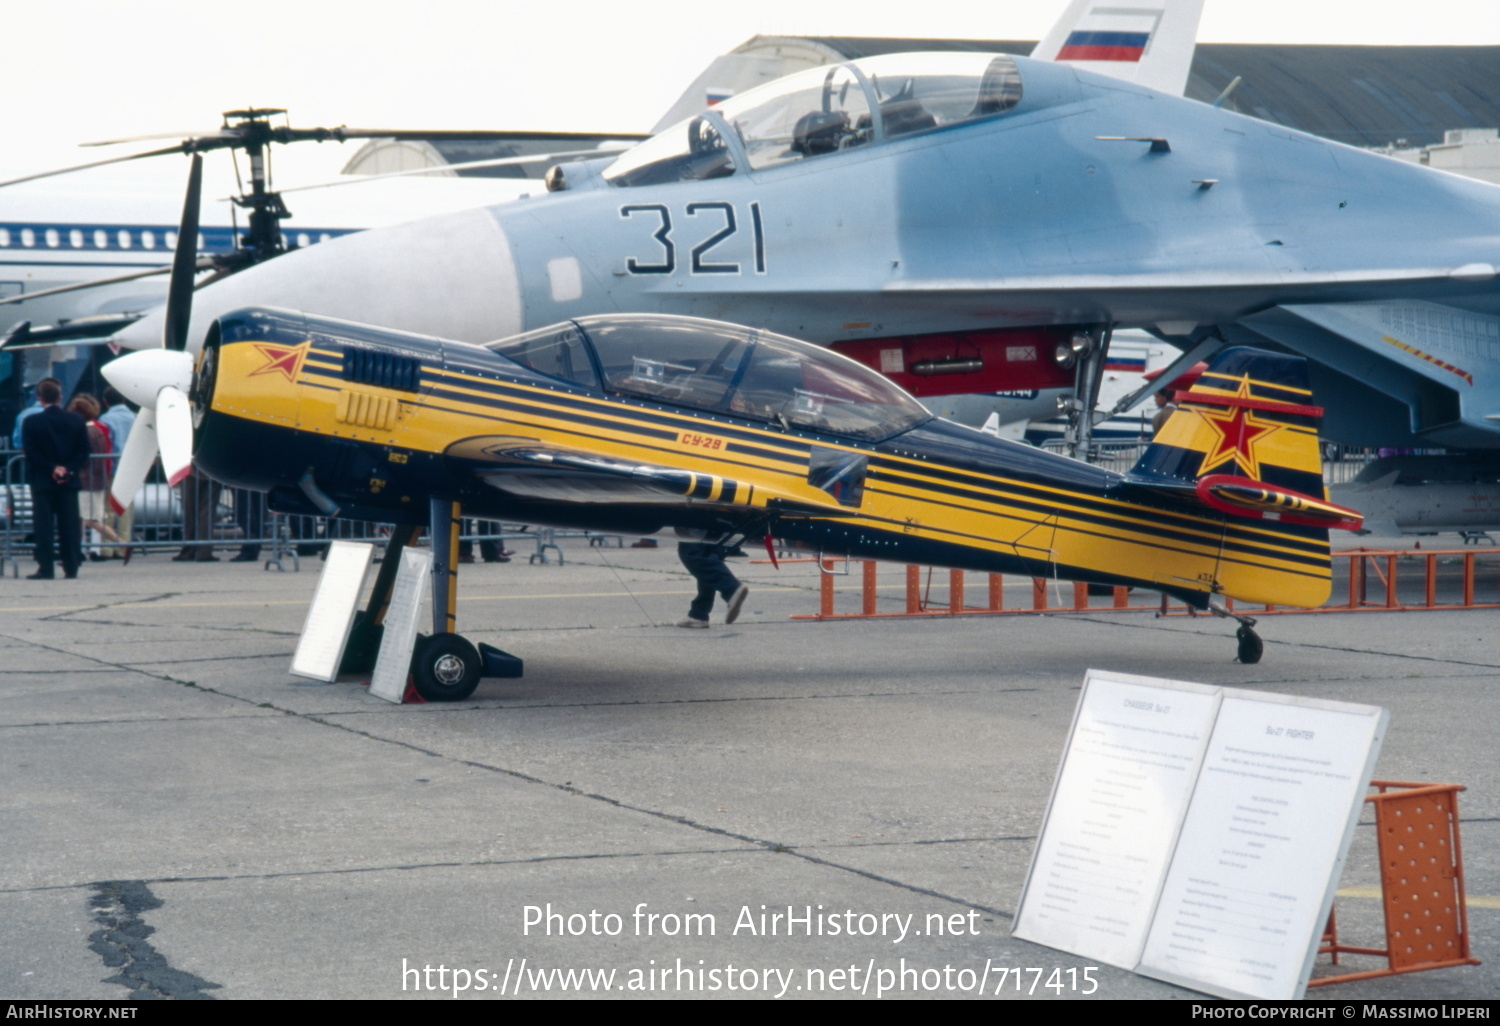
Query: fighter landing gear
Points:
[1251, 648]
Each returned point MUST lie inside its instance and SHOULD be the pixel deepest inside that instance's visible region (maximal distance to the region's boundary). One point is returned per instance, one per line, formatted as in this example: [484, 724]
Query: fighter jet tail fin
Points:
[1150, 42]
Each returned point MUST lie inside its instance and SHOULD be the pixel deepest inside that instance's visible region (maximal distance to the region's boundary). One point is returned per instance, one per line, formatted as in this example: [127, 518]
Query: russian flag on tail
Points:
[1104, 46]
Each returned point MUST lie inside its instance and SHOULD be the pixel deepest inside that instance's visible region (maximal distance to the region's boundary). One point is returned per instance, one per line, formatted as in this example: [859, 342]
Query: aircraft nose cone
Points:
[140, 376]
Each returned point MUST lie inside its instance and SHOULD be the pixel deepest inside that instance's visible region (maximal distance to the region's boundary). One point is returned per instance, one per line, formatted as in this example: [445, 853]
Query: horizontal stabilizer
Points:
[1243, 497]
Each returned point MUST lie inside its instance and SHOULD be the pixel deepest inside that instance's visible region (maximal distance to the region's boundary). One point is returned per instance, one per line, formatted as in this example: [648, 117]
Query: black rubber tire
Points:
[445, 668]
[1251, 647]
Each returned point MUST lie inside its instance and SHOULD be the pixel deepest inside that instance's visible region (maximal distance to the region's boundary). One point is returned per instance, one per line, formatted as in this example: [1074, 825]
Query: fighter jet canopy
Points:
[826, 110]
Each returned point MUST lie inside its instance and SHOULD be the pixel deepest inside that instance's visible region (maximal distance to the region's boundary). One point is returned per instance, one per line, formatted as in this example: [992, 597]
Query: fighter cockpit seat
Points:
[820, 131]
[904, 114]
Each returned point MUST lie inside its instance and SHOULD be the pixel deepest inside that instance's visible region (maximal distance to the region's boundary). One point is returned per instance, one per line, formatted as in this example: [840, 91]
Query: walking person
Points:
[705, 561]
[56, 443]
[94, 479]
[119, 418]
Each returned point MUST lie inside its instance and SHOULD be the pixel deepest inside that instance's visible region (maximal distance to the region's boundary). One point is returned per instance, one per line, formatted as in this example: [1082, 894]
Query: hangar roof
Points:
[1360, 95]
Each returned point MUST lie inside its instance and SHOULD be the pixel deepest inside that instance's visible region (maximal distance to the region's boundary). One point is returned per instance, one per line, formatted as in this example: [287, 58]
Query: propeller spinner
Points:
[158, 380]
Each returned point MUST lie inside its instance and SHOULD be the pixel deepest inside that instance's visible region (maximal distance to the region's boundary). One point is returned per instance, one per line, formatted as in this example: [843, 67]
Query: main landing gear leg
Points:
[1250, 645]
[445, 666]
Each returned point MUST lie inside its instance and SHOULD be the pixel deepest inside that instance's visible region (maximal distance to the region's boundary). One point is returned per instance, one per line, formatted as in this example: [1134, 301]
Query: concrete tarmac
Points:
[183, 818]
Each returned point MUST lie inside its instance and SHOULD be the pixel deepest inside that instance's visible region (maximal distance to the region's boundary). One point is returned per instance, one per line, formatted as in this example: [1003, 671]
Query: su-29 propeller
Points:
[159, 380]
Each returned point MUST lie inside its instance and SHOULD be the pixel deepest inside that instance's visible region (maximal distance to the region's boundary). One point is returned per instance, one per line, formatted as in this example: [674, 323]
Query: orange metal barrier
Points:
[1421, 883]
[1374, 577]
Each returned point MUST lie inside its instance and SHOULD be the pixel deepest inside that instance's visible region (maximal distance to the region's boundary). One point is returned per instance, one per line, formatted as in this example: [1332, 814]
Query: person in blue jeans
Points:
[705, 561]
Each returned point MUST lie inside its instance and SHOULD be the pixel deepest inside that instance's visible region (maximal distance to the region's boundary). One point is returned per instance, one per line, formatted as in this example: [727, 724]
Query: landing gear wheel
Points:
[445, 668]
[1251, 647]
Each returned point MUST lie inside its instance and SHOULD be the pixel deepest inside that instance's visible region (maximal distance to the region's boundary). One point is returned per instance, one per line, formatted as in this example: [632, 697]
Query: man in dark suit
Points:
[57, 448]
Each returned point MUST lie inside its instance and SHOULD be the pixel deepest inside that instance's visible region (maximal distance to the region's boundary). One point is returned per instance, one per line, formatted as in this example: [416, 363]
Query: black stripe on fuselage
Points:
[651, 425]
[1182, 526]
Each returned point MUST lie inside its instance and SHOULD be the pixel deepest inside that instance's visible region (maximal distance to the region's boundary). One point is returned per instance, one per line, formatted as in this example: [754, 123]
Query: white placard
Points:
[1263, 844]
[402, 615]
[329, 618]
[1196, 834]
[1123, 787]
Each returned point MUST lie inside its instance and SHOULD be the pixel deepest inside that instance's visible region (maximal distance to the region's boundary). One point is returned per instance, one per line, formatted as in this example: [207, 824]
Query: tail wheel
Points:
[446, 668]
[1250, 645]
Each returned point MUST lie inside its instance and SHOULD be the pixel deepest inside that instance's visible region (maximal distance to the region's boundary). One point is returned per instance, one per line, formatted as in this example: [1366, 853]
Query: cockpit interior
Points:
[822, 111]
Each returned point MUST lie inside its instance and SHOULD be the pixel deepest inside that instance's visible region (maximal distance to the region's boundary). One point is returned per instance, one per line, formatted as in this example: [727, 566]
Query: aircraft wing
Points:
[1150, 42]
[528, 469]
[1208, 296]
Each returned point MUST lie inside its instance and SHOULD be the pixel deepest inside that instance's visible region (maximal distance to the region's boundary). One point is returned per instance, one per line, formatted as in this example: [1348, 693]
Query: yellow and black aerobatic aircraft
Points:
[635, 422]
[632, 423]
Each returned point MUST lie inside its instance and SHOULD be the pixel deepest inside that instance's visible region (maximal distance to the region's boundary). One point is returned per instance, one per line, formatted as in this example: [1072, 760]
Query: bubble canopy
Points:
[722, 368]
[825, 110]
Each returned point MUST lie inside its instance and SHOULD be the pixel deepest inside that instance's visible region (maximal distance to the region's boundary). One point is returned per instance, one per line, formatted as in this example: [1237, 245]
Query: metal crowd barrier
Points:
[204, 513]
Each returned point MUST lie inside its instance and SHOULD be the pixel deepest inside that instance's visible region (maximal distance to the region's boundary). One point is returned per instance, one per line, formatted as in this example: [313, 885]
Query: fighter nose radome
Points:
[452, 276]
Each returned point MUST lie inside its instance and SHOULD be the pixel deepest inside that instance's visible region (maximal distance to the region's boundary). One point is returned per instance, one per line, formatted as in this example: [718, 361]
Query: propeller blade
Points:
[135, 461]
[184, 264]
[174, 430]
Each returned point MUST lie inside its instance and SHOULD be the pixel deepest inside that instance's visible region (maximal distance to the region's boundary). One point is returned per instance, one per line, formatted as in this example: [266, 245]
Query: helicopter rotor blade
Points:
[535, 158]
[80, 285]
[180, 148]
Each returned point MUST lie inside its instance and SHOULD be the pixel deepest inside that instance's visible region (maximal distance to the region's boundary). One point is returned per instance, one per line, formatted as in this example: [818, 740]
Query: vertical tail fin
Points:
[1247, 425]
[1244, 442]
[1148, 42]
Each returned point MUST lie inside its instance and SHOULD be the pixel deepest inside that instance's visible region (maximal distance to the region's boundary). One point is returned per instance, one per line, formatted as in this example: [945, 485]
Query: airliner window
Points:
[691, 151]
[558, 351]
[921, 91]
[815, 112]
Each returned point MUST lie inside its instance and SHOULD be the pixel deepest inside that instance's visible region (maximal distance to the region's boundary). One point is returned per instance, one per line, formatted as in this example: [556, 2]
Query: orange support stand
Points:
[1421, 883]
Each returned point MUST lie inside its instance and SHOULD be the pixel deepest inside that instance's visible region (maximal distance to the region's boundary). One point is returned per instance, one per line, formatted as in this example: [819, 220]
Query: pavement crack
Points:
[68, 614]
[658, 814]
[121, 942]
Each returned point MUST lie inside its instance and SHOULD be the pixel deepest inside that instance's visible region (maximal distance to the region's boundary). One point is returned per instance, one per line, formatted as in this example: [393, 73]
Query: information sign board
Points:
[402, 616]
[331, 615]
[1196, 834]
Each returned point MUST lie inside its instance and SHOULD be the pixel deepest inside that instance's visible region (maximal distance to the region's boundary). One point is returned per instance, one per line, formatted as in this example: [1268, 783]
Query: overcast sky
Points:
[77, 70]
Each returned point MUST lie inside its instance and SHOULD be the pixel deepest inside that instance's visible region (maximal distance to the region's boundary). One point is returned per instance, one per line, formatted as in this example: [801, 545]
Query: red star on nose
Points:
[281, 360]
